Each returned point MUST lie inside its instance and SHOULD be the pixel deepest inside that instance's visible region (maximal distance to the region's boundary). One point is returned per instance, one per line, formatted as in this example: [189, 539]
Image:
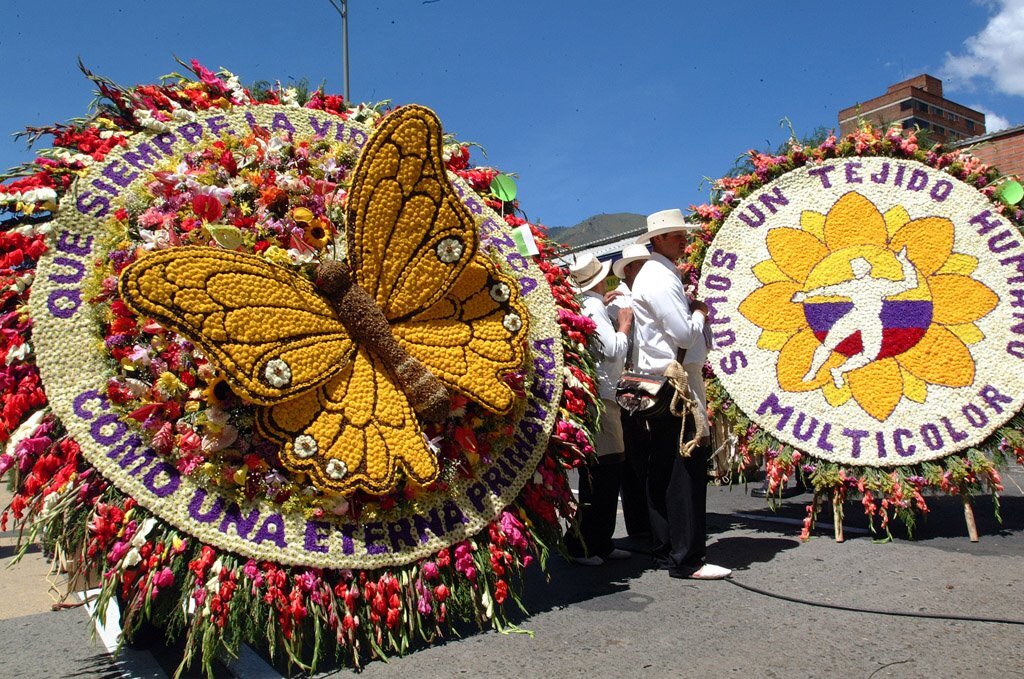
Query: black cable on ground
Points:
[874, 611]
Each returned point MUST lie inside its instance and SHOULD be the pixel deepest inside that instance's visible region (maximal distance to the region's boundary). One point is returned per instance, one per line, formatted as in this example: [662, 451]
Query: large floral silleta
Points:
[864, 302]
[300, 379]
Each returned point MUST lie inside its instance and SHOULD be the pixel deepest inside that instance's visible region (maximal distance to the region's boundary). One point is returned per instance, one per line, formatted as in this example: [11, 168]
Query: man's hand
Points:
[697, 305]
[612, 294]
[625, 319]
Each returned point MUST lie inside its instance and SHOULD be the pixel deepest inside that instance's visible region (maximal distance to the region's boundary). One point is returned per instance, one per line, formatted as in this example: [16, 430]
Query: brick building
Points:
[917, 102]
[1003, 149]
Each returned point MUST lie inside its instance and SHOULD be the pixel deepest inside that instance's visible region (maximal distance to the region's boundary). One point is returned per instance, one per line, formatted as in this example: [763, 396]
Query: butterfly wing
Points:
[409, 236]
[266, 327]
[355, 432]
[473, 335]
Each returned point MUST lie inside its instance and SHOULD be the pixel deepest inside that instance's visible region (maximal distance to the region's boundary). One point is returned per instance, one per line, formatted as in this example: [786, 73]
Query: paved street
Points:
[624, 619]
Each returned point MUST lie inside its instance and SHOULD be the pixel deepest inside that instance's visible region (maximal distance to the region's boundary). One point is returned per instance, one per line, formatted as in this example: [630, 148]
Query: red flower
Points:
[207, 207]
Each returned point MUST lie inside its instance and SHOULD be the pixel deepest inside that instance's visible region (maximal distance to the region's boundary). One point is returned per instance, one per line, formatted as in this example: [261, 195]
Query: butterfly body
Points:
[342, 367]
[367, 325]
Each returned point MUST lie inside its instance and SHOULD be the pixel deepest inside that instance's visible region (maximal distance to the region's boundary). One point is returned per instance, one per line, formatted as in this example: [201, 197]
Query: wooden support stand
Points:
[837, 516]
[972, 528]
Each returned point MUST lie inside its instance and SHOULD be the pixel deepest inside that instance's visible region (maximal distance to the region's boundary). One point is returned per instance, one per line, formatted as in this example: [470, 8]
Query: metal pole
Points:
[342, 9]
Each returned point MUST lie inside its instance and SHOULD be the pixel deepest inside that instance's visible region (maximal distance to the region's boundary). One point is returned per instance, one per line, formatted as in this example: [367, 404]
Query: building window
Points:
[906, 105]
[970, 125]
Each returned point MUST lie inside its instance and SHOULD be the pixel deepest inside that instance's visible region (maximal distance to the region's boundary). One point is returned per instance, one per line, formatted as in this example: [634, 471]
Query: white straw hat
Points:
[663, 222]
[587, 271]
[634, 252]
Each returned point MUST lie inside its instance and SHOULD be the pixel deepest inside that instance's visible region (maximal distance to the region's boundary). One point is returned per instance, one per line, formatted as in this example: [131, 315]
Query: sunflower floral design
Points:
[869, 306]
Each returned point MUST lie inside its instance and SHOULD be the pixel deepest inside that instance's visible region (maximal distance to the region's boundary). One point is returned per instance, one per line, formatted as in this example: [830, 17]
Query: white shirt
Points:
[663, 323]
[607, 346]
[621, 302]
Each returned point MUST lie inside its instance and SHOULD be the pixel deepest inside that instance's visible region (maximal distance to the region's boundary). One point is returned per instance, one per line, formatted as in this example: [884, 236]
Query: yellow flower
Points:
[869, 306]
[169, 385]
[317, 233]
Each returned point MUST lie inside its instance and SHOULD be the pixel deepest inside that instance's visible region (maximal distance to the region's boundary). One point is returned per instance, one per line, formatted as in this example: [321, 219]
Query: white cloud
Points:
[996, 53]
[993, 121]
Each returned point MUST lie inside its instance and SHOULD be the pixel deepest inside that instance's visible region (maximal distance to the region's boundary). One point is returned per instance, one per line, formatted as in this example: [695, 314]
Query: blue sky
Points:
[598, 106]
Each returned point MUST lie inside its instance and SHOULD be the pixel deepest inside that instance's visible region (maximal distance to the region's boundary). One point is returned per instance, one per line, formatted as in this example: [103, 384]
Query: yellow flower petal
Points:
[877, 387]
[961, 264]
[854, 220]
[795, 251]
[958, 299]
[795, 361]
[773, 340]
[836, 397]
[968, 333]
[813, 223]
[771, 307]
[769, 272]
[929, 242]
[913, 388]
[939, 358]
[895, 218]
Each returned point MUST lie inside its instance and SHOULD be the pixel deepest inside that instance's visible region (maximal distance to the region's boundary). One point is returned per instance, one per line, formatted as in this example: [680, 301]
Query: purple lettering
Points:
[993, 398]
[975, 415]
[195, 507]
[822, 174]
[855, 436]
[281, 122]
[799, 432]
[773, 199]
[823, 443]
[191, 132]
[399, 533]
[852, 176]
[476, 494]
[897, 439]
[316, 533]
[142, 157]
[272, 530]
[733, 362]
[772, 403]
[882, 175]
[87, 200]
[757, 220]
[77, 268]
[932, 437]
[985, 222]
[107, 430]
[64, 303]
[116, 172]
[243, 526]
[957, 436]
[165, 141]
[918, 180]
[216, 124]
[941, 190]
[721, 258]
[71, 243]
[716, 282]
[373, 532]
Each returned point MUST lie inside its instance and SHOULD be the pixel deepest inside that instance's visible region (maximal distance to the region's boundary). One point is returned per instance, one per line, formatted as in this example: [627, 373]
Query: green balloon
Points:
[1011, 192]
[504, 188]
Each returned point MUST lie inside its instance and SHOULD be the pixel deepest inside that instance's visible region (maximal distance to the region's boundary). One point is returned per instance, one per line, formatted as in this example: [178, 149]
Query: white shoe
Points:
[617, 555]
[711, 572]
[587, 560]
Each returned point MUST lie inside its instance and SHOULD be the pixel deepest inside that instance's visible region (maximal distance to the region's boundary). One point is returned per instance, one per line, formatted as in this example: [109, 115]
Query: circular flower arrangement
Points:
[863, 298]
[209, 415]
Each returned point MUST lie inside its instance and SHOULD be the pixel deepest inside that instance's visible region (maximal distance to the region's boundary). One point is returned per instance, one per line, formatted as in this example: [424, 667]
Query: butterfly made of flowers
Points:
[343, 366]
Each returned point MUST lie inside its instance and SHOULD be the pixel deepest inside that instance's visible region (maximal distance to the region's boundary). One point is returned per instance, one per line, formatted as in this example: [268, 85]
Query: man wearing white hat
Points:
[670, 331]
[634, 495]
[599, 483]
